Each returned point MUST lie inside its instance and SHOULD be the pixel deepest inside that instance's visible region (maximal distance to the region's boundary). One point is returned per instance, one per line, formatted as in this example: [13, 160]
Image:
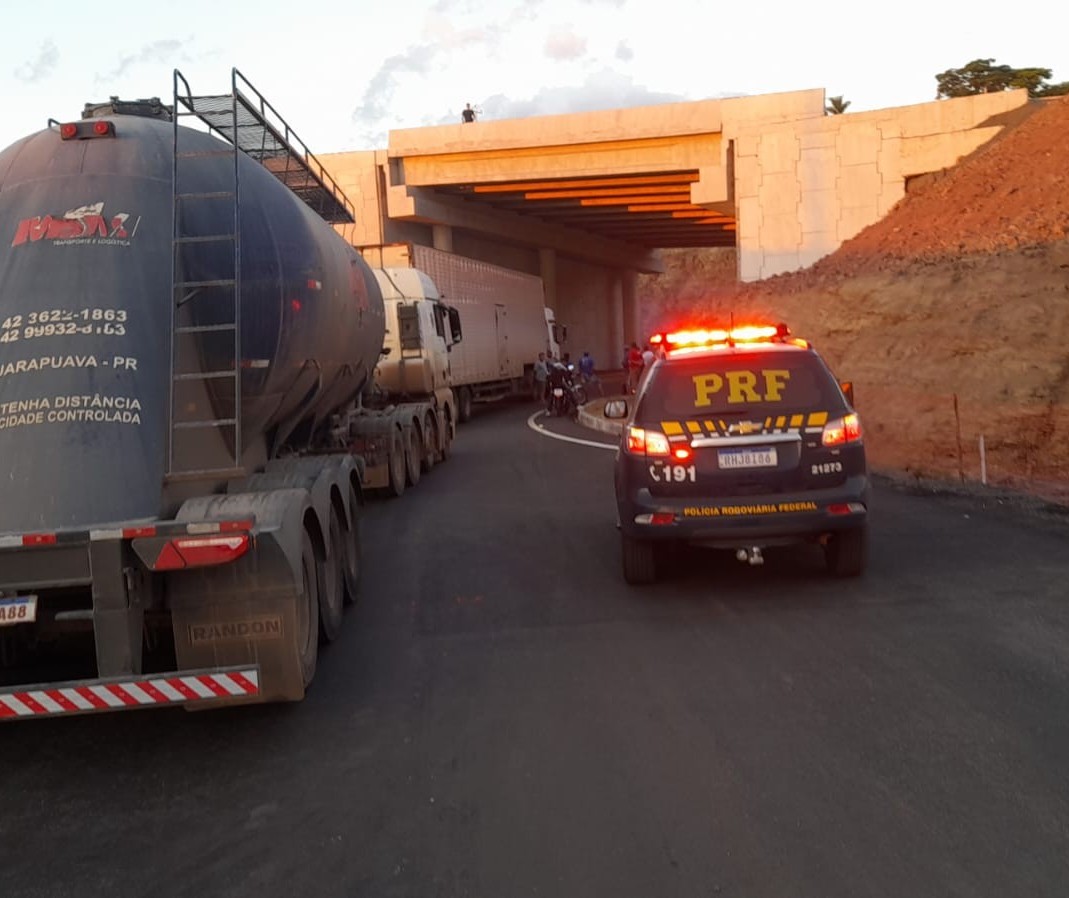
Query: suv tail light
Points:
[647, 442]
[841, 431]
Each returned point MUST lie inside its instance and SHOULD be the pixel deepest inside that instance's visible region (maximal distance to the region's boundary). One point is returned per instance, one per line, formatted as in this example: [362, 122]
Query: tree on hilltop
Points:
[982, 76]
[836, 106]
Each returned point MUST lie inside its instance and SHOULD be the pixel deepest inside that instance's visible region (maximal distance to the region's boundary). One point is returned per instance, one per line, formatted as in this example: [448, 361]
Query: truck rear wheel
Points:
[447, 436]
[332, 583]
[430, 442]
[413, 444]
[463, 404]
[307, 634]
[397, 463]
[352, 551]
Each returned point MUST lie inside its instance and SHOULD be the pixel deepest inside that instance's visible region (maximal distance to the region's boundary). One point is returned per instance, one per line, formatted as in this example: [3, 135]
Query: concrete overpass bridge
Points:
[587, 200]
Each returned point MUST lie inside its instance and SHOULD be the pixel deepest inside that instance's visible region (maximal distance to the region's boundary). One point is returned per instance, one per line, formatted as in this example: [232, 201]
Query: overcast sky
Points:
[346, 72]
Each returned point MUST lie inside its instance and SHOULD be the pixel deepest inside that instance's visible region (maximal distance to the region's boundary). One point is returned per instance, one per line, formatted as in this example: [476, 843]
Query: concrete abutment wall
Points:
[799, 183]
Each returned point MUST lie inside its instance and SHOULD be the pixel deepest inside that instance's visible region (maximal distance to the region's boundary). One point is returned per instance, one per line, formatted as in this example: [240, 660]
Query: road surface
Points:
[502, 716]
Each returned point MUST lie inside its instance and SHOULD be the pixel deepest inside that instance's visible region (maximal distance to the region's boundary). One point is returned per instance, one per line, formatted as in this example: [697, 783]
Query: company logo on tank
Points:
[82, 225]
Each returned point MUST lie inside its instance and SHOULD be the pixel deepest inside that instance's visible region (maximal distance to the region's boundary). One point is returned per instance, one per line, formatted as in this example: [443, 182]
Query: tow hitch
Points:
[752, 555]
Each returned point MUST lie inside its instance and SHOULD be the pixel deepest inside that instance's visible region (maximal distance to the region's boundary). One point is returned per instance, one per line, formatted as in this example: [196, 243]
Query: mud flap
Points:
[246, 612]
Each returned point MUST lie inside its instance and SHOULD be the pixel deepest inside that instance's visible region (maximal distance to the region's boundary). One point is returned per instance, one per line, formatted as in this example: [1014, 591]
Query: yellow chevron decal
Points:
[671, 428]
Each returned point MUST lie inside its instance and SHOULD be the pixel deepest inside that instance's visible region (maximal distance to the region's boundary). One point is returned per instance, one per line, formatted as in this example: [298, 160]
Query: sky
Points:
[343, 73]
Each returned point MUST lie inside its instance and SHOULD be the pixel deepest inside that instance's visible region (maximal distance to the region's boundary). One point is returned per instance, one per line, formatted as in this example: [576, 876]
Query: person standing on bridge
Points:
[467, 114]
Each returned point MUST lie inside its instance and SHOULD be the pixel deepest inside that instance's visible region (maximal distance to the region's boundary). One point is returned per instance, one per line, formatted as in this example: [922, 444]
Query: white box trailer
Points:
[504, 320]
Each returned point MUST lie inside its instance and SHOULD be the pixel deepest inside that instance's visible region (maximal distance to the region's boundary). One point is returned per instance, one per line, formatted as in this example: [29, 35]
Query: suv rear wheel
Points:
[640, 563]
[846, 551]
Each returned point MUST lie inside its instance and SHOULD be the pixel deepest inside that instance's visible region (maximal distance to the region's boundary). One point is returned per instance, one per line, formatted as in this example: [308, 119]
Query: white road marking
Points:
[539, 429]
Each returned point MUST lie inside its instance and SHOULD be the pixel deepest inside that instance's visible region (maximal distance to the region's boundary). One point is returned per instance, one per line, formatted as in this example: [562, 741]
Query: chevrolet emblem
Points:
[744, 428]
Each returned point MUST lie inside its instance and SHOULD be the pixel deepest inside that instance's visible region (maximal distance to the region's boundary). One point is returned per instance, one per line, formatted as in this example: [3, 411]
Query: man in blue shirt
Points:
[587, 377]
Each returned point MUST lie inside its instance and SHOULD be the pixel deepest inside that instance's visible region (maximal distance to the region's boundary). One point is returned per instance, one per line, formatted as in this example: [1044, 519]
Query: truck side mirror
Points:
[616, 408]
[455, 330]
[848, 391]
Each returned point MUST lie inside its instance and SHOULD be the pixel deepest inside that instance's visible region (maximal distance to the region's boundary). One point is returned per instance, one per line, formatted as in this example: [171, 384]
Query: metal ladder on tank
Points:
[250, 126]
[221, 288]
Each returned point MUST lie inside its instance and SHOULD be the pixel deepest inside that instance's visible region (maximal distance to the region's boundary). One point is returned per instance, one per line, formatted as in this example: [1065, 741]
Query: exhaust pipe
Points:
[752, 555]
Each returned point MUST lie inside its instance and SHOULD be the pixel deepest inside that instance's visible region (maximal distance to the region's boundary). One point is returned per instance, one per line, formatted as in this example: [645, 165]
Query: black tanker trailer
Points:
[188, 413]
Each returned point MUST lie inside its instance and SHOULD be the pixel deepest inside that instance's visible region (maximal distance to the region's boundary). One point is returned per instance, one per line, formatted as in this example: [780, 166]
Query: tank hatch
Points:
[151, 108]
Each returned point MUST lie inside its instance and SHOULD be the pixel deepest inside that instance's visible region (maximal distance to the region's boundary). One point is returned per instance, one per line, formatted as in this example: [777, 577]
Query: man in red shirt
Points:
[634, 367]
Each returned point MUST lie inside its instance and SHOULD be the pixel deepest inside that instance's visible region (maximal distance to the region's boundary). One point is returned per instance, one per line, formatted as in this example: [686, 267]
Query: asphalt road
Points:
[502, 716]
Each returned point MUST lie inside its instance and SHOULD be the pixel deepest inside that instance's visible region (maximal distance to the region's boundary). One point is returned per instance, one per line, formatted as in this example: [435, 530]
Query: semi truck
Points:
[197, 391]
[505, 320]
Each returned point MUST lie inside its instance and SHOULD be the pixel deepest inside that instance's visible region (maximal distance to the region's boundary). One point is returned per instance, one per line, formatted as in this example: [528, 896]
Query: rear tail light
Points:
[657, 518]
[647, 442]
[841, 508]
[85, 130]
[841, 431]
[201, 551]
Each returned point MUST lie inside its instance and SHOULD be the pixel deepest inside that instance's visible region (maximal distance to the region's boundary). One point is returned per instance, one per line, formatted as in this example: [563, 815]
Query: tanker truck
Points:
[190, 413]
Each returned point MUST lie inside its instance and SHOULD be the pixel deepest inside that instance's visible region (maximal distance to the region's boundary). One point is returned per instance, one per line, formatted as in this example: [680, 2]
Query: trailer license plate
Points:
[19, 610]
[747, 458]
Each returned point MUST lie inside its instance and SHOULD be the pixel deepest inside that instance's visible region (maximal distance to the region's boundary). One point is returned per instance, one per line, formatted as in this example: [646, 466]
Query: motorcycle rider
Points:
[559, 378]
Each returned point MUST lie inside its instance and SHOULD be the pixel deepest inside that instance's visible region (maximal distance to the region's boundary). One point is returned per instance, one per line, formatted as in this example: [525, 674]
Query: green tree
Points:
[982, 76]
[836, 106]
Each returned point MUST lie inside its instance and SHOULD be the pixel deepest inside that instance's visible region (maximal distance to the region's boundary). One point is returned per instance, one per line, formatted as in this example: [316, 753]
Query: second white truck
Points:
[505, 321]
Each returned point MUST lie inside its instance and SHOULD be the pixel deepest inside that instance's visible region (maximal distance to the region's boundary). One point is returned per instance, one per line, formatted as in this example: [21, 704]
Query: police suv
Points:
[740, 439]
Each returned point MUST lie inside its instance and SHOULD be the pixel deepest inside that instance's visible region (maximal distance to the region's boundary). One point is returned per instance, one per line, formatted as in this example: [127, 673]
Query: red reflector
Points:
[135, 532]
[662, 517]
[839, 508]
[199, 551]
[101, 128]
[682, 453]
[169, 559]
[68, 130]
[39, 539]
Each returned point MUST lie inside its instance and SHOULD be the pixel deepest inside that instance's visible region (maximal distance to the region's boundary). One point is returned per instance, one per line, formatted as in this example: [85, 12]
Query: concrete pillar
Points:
[614, 315]
[629, 289]
[547, 268]
[442, 237]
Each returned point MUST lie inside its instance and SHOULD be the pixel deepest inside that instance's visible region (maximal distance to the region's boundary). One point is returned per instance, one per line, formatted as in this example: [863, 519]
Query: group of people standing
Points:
[547, 370]
[636, 362]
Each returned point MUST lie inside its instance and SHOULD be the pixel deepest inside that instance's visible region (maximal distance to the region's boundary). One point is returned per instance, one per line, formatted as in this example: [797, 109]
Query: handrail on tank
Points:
[242, 90]
[289, 138]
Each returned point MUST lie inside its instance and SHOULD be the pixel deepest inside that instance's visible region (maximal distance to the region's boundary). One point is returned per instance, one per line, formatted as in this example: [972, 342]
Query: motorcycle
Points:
[565, 398]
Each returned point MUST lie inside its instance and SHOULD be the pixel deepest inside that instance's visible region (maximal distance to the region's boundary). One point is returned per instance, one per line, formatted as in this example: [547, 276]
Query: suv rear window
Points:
[729, 383]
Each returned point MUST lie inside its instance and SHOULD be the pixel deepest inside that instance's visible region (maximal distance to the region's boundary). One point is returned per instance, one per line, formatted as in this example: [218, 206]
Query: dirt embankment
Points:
[950, 315]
